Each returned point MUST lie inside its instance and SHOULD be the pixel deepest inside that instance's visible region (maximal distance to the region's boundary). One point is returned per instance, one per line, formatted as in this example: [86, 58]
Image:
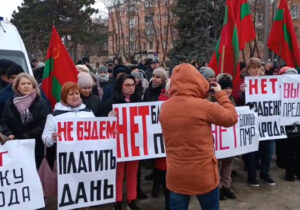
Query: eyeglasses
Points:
[129, 85]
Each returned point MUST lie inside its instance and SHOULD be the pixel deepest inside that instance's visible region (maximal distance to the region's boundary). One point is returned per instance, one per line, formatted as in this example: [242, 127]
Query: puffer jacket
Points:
[60, 112]
[186, 120]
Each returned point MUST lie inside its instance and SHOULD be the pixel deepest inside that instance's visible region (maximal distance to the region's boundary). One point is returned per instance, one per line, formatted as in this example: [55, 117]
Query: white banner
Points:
[140, 134]
[139, 131]
[290, 98]
[20, 185]
[239, 139]
[86, 158]
[263, 96]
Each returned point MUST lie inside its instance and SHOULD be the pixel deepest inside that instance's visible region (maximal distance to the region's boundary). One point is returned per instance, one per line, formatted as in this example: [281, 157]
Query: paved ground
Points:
[285, 195]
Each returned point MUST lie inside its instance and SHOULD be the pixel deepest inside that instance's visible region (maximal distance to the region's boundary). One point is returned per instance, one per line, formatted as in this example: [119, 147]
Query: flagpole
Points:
[223, 57]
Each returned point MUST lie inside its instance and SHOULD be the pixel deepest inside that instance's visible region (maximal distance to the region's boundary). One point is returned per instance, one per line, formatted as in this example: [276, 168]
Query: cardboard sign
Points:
[290, 99]
[86, 158]
[263, 96]
[20, 186]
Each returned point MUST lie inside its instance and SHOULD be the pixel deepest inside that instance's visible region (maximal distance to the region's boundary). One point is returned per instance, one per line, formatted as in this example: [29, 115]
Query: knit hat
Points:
[102, 69]
[161, 72]
[65, 90]
[120, 68]
[287, 70]
[225, 80]
[207, 72]
[82, 68]
[15, 69]
[4, 65]
[137, 75]
[85, 80]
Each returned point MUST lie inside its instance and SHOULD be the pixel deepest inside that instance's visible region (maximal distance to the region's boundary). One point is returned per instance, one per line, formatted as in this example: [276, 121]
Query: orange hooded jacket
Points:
[186, 120]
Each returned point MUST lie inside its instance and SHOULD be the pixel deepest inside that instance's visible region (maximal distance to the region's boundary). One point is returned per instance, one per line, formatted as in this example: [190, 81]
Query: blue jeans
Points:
[209, 201]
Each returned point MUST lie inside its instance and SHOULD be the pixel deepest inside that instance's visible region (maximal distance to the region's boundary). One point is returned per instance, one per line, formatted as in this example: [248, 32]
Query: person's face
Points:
[154, 65]
[128, 87]
[254, 71]
[73, 98]
[268, 66]
[137, 80]
[228, 91]
[86, 91]
[211, 79]
[25, 86]
[156, 80]
[103, 73]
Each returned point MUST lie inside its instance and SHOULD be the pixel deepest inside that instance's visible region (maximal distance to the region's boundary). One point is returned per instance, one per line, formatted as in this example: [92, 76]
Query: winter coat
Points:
[93, 103]
[62, 112]
[12, 124]
[151, 93]
[186, 119]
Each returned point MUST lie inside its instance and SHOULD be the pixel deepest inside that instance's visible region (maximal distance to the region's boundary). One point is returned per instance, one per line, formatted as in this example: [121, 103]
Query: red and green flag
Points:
[282, 38]
[226, 55]
[59, 68]
[246, 30]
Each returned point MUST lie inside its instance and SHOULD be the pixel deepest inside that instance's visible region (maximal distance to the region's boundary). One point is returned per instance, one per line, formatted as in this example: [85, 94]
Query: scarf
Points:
[127, 98]
[103, 78]
[22, 103]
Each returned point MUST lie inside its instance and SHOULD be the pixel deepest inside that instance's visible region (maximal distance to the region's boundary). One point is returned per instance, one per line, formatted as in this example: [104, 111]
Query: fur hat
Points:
[120, 68]
[288, 70]
[81, 67]
[137, 75]
[161, 72]
[225, 80]
[85, 80]
[65, 90]
[207, 72]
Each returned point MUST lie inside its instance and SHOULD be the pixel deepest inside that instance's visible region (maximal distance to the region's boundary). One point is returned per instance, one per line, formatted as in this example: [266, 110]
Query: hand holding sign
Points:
[55, 136]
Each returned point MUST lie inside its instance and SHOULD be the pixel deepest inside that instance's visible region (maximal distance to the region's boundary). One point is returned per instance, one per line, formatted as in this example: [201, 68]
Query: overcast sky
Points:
[8, 6]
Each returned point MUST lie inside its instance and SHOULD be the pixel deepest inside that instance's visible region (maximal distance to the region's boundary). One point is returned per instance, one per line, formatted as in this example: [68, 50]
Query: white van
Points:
[12, 46]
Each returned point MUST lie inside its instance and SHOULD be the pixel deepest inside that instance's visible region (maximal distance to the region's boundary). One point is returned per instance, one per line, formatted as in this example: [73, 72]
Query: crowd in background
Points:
[26, 113]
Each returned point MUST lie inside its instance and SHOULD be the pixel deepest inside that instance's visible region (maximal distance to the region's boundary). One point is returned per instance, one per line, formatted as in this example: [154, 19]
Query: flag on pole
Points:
[245, 26]
[282, 38]
[226, 55]
[59, 68]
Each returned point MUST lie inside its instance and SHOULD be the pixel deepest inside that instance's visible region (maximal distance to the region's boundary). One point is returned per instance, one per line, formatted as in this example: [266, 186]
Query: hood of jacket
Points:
[63, 107]
[186, 80]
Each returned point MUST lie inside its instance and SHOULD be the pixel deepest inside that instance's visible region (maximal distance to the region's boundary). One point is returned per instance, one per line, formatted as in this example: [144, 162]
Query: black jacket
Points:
[12, 124]
[152, 94]
[93, 103]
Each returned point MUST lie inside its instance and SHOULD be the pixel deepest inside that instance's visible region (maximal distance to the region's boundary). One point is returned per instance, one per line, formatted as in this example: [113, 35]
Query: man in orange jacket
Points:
[186, 119]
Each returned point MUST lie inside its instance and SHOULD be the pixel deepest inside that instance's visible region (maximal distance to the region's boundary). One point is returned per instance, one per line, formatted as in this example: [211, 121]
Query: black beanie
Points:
[4, 65]
[225, 82]
[15, 69]
[120, 68]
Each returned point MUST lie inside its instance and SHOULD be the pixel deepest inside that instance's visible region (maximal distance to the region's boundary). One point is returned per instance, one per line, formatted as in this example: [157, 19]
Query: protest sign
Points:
[239, 139]
[140, 134]
[263, 96]
[20, 186]
[290, 99]
[86, 158]
[139, 131]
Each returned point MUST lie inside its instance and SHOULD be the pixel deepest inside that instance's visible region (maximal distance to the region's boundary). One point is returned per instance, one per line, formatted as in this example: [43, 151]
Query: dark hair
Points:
[85, 60]
[118, 96]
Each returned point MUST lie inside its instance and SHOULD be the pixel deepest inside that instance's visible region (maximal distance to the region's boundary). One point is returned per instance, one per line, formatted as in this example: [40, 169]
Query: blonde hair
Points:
[253, 63]
[30, 78]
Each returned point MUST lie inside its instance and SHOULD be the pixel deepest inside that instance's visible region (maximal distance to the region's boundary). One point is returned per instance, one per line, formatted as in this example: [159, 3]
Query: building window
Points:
[294, 12]
[150, 45]
[148, 3]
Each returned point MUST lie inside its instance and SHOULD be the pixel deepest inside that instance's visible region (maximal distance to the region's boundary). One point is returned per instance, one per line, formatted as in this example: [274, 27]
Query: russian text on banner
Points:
[290, 99]
[263, 96]
[86, 158]
[140, 133]
[239, 139]
[20, 186]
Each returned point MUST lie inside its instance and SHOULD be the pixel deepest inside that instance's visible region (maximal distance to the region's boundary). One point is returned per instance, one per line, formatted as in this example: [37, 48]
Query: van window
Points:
[15, 56]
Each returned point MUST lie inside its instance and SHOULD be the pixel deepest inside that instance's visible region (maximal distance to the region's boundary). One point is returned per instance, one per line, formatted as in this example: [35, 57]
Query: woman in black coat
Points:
[25, 115]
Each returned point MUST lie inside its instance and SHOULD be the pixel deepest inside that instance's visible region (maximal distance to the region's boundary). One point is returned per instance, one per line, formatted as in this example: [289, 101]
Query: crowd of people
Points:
[203, 95]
